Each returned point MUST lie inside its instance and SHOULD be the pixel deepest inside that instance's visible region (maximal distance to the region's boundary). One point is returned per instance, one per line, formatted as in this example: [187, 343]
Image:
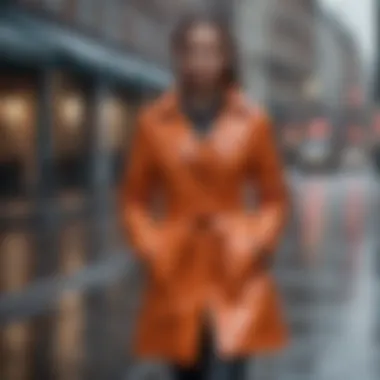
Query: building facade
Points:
[330, 61]
[277, 50]
[72, 75]
[339, 79]
[338, 68]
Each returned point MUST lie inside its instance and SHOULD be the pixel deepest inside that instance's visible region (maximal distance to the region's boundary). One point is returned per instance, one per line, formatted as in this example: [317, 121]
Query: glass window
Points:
[119, 118]
[17, 126]
[16, 265]
[69, 134]
[16, 251]
[69, 339]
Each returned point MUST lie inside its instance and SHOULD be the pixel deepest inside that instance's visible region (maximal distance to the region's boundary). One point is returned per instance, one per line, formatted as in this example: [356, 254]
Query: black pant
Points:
[210, 367]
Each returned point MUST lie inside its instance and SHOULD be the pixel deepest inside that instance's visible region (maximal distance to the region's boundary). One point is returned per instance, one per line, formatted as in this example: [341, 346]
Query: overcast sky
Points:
[358, 15]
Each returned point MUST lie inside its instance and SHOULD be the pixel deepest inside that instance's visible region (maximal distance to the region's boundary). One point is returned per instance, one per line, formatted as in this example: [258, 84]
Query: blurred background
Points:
[73, 73]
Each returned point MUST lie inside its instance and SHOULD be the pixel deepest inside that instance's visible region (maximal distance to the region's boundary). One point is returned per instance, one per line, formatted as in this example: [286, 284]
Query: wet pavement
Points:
[337, 240]
[327, 273]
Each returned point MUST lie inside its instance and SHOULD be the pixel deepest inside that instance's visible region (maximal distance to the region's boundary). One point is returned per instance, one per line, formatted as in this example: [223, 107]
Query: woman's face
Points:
[202, 59]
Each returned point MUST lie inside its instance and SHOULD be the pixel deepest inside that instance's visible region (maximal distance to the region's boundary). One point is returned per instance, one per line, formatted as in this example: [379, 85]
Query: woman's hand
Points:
[242, 252]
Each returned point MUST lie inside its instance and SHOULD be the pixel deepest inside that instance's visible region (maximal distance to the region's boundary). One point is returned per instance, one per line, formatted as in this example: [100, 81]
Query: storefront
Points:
[67, 110]
[71, 122]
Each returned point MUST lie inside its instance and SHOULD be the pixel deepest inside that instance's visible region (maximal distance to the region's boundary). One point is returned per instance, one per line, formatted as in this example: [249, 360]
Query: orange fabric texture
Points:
[208, 251]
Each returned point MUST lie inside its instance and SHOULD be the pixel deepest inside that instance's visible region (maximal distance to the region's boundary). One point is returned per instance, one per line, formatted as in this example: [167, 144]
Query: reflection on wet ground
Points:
[333, 320]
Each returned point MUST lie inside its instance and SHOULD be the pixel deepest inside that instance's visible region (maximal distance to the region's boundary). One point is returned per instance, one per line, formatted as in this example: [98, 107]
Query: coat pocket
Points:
[166, 254]
[238, 245]
[243, 258]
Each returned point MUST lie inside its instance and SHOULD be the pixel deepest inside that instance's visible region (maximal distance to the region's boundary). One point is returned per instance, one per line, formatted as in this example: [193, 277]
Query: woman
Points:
[210, 300]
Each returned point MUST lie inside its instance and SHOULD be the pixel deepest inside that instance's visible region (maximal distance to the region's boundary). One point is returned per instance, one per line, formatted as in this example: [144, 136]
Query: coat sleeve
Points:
[136, 190]
[271, 188]
[155, 242]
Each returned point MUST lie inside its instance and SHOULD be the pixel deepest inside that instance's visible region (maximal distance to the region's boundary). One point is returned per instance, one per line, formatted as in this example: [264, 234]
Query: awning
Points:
[92, 54]
[15, 44]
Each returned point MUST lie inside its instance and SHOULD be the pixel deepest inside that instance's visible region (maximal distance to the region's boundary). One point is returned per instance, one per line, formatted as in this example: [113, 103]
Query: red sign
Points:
[319, 128]
[376, 123]
[355, 134]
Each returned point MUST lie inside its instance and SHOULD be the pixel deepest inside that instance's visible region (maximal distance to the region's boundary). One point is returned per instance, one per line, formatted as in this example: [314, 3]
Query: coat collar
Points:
[169, 104]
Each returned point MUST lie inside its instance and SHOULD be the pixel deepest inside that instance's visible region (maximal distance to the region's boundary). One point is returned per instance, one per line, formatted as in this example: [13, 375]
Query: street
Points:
[334, 245]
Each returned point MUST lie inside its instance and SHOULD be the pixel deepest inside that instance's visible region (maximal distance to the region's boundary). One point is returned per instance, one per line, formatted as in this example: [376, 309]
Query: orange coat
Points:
[207, 253]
